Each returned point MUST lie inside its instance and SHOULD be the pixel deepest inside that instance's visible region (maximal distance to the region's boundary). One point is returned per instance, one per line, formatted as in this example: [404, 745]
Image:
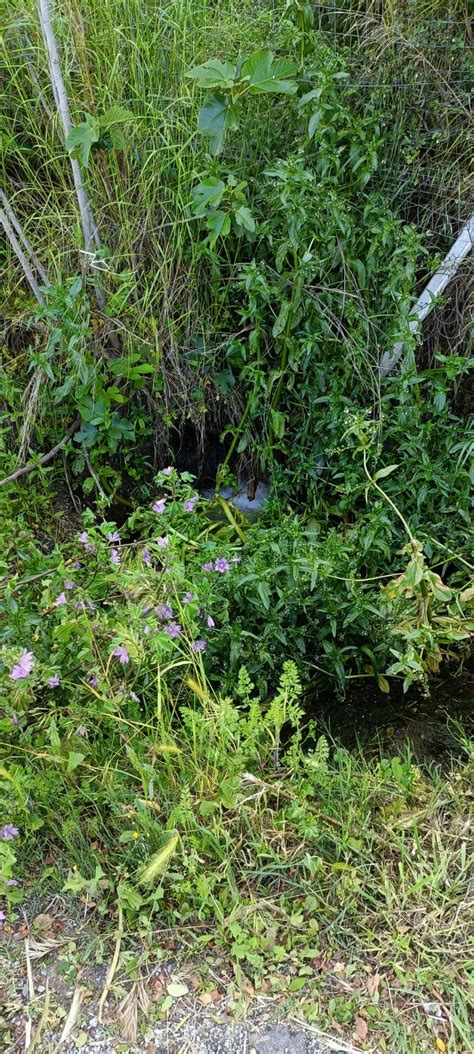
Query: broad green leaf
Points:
[213, 74]
[218, 225]
[265, 75]
[244, 218]
[115, 115]
[217, 117]
[207, 194]
[81, 139]
[74, 760]
[277, 421]
[382, 472]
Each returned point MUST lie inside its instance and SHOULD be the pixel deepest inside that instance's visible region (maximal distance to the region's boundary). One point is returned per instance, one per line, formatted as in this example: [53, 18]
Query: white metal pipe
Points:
[452, 261]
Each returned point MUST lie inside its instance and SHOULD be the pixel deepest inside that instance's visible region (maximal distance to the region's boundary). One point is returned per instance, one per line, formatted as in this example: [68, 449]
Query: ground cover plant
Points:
[210, 244]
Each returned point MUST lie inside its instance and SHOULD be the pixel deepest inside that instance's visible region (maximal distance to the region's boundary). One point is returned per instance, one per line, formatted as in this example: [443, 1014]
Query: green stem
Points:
[389, 500]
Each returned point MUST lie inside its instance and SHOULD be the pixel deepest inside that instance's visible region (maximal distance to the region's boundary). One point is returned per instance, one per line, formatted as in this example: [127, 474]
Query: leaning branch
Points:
[30, 467]
[452, 261]
[21, 255]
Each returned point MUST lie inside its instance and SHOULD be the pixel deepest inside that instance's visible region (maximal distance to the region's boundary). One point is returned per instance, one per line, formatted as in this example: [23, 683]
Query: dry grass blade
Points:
[128, 1015]
[38, 949]
[113, 965]
[71, 1017]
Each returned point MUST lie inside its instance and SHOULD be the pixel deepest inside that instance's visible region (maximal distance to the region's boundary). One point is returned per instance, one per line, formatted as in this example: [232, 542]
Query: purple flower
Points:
[24, 667]
[159, 506]
[8, 833]
[236, 559]
[61, 599]
[115, 557]
[135, 697]
[209, 566]
[92, 680]
[15, 719]
[221, 565]
[146, 630]
[162, 542]
[69, 584]
[113, 536]
[164, 611]
[173, 629]
[199, 645]
[146, 557]
[77, 565]
[3, 918]
[188, 506]
[122, 654]
[167, 471]
[80, 605]
[210, 622]
[90, 606]
[84, 540]
[53, 681]
[12, 882]
[188, 598]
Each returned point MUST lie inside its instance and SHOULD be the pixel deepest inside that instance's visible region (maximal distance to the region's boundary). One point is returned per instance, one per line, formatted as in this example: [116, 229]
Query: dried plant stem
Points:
[30, 467]
[21, 255]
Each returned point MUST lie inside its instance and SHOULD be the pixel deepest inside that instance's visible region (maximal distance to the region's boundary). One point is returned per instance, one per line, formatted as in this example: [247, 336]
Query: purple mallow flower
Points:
[162, 542]
[61, 599]
[84, 540]
[24, 667]
[8, 832]
[69, 584]
[221, 565]
[53, 681]
[159, 506]
[12, 882]
[173, 629]
[92, 680]
[77, 565]
[199, 645]
[210, 622]
[209, 566]
[146, 557]
[15, 719]
[121, 653]
[115, 557]
[167, 471]
[113, 536]
[135, 697]
[236, 559]
[188, 598]
[164, 611]
[188, 506]
[3, 918]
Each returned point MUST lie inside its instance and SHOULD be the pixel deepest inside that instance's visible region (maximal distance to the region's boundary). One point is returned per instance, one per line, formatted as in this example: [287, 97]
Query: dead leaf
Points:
[176, 989]
[373, 984]
[361, 1027]
[205, 998]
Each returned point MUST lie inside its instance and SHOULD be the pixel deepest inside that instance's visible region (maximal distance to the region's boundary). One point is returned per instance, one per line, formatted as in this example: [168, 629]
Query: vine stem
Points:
[389, 500]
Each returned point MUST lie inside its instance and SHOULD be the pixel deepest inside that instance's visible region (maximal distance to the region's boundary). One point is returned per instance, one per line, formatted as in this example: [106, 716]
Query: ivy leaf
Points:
[207, 194]
[265, 75]
[217, 117]
[213, 74]
[218, 225]
[81, 138]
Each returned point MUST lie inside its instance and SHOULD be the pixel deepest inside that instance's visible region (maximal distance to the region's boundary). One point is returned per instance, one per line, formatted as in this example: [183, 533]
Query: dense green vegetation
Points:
[267, 189]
